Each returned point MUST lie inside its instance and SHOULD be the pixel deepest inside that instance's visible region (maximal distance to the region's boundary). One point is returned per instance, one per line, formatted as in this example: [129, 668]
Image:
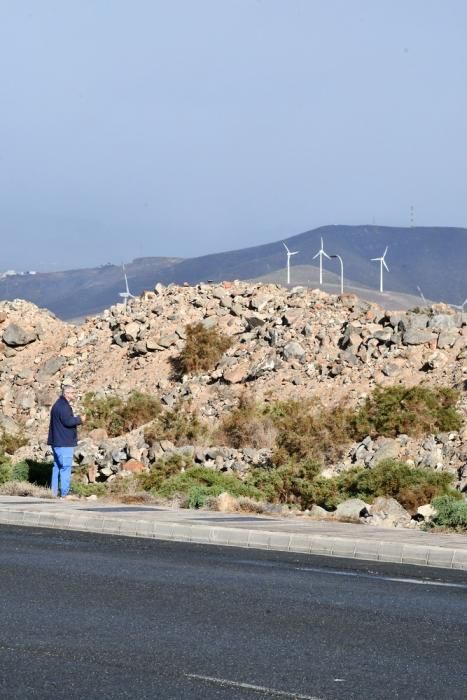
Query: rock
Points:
[417, 337]
[318, 513]
[50, 368]
[8, 425]
[442, 322]
[351, 510]
[236, 374]
[166, 341]
[293, 350]
[134, 466]
[261, 367]
[131, 331]
[446, 339]
[16, 336]
[390, 512]
[385, 449]
[427, 512]
[98, 435]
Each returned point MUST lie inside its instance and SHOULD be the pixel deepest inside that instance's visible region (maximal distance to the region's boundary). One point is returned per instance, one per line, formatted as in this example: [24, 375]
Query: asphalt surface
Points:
[93, 616]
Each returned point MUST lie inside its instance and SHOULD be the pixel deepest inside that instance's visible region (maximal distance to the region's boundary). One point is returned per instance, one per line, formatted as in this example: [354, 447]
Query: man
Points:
[62, 439]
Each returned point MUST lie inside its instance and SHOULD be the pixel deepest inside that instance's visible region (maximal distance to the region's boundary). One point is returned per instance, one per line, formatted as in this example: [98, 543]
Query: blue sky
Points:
[182, 127]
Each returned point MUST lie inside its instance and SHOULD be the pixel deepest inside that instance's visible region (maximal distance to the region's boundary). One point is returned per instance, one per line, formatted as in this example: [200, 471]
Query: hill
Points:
[433, 259]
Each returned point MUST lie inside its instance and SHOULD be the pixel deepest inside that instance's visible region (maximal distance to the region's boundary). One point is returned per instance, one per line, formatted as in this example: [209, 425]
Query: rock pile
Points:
[286, 344]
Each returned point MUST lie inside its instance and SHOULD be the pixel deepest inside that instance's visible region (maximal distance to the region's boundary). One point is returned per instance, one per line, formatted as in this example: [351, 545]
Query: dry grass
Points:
[246, 426]
[203, 349]
[24, 488]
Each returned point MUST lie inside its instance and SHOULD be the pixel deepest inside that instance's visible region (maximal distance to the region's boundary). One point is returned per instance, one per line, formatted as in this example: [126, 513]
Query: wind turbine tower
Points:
[289, 255]
[126, 294]
[382, 263]
[321, 253]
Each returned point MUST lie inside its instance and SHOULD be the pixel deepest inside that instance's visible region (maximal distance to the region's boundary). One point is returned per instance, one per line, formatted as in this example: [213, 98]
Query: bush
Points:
[307, 431]
[80, 489]
[203, 349]
[181, 425]
[292, 483]
[198, 483]
[10, 443]
[398, 410]
[162, 470]
[412, 487]
[451, 512]
[117, 416]
[5, 469]
[246, 426]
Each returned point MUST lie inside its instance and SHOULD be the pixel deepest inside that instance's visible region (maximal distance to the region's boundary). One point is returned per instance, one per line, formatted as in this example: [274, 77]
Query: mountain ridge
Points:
[418, 259]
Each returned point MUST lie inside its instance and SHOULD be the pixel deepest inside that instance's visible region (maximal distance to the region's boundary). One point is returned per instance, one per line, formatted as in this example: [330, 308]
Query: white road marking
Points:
[248, 686]
[380, 577]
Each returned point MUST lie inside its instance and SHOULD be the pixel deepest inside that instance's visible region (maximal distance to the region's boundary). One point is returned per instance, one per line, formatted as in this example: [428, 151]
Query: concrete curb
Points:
[351, 548]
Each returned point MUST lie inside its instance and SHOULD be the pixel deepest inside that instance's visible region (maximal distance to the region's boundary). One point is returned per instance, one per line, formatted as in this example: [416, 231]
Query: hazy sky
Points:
[181, 127]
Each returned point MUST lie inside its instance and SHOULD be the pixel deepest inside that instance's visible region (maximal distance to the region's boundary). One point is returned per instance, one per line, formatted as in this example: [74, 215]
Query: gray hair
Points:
[67, 388]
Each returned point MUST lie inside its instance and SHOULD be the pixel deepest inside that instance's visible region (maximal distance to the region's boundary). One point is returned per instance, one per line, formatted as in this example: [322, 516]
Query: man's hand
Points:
[83, 419]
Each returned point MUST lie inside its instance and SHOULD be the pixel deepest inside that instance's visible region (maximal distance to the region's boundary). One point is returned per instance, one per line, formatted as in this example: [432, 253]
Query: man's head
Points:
[68, 391]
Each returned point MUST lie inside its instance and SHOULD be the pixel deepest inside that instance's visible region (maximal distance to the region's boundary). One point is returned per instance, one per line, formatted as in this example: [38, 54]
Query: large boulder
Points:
[387, 512]
[351, 510]
[16, 336]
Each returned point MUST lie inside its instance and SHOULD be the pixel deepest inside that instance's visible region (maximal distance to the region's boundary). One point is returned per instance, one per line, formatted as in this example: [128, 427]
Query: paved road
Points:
[92, 616]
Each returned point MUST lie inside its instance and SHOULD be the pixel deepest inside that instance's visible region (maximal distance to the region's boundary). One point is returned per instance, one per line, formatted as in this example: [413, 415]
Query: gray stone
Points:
[16, 336]
[441, 322]
[386, 449]
[166, 341]
[417, 337]
[352, 509]
[390, 512]
[50, 368]
[447, 338]
[293, 350]
[261, 367]
[413, 322]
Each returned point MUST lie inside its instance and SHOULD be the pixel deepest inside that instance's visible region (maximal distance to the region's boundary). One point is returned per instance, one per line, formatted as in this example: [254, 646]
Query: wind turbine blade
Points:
[295, 252]
[322, 244]
[326, 255]
[384, 254]
[317, 255]
[285, 247]
[375, 259]
[384, 263]
[126, 284]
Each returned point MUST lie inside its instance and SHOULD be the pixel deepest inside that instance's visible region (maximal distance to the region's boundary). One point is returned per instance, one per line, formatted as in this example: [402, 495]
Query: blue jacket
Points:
[62, 428]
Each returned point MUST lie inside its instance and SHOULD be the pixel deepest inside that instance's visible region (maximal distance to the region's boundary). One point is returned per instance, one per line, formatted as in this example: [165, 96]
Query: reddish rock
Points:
[134, 466]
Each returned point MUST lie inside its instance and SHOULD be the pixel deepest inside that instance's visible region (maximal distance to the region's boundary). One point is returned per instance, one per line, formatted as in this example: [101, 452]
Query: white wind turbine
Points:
[321, 253]
[126, 294]
[289, 255]
[461, 307]
[382, 262]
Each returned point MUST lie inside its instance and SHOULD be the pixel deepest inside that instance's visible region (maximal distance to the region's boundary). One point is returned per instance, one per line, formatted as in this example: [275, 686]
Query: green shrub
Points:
[117, 416]
[451, 512]
[162, 470]
[293, 482]
[412, 487]
[203, 349]
[181, 425]
[5, 469]
[307, 431]
[248, 425]
[80, 489]
[416, 411]
[198, 483]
